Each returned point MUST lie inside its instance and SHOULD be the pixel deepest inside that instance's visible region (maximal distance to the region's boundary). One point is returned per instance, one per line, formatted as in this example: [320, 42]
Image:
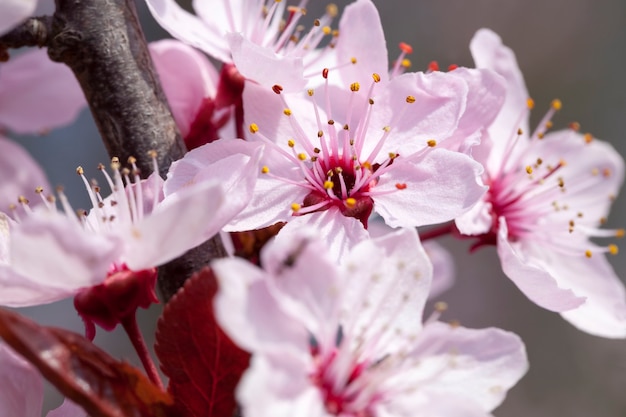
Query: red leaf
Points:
[102, 385]
[203, 364]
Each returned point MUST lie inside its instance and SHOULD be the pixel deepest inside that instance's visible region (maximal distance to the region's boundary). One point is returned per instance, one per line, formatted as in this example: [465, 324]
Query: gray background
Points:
[570, 49]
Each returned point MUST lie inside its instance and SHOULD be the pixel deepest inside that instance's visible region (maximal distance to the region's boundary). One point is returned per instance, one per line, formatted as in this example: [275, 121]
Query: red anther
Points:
[405, 47]
[401, 186]
[325, 73]
[452, 67]
[277, 88]
[433, 66]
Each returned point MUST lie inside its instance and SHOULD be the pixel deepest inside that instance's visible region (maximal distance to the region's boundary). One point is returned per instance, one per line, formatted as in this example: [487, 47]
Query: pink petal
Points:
[489, 52]
[188, 28]
[33, 104]
[67, 409]
[439, 104]
[339, 232]
[250, 311]
[52, 257]
[20, 174]
[604, 311]
[242, 187]
[265, 67]
[180, 222]
[472, 366]
[476, 221]
[21, 386]
[362, 38]
[533, 280]
[439, 186]
[187, 77]
[444, 272]
[13, 12]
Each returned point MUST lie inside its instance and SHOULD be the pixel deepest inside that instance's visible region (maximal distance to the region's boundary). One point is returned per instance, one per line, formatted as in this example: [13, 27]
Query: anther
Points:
[441, 306]
[613, 249]
[350, 202]
[588, 253]
[405, 47]
[575, 126]
[433, 66]
[317, 22]
[332, 10]
[295, 207]
[410, 99]
[39, 190]
[325, 73]
[152, 153]
[331, 122]
[277, 88]
[132, 160]
[291, 143]
[376, 77]
[79, 170]
[353, 60]
[619, 233]
[529, 169]
[588, 137]
[287, 112]
[310, 92]
[354, 87]
[265, 169]
[302, 156]
[254, 128]
[328, 185]
[452, 67]
[406, 63]
[556, 104]
[401, 186]
[530, 103]
[431, 143]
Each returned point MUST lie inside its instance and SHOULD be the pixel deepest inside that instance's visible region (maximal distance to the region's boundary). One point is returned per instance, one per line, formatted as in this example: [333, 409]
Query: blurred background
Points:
[574, 50]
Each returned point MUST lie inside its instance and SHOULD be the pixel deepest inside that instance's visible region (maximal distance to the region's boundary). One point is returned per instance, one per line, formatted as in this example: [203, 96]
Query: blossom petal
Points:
[469, 365]
[251, 313]
[340, 233]
[476, 221]
[67, 259]
[20, 175]
[440, 185]
[604, 311]
[444, 272]
[180, 222]
[12, 13]
[362, 38]
[266, 67]
[22, 385]
[187, 76]
[35, 104]
[533, 280]
[188, 28]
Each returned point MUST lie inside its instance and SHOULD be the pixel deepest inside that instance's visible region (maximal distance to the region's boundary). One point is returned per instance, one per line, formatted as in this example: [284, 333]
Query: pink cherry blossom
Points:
[31, 103]
[334, 155]
[349, 340]
[48, 255]
[13, 12]
[21, 389]
[549, 193]
[250, 34]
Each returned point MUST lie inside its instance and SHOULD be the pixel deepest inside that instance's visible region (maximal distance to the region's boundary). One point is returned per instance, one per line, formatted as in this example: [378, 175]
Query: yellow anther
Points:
[520, 132]
[152, 153]
[393, 155]
[302, 156]
[376, 77]
[254, 128]
[613, 249]
[291, 143]
[530, 103]
[132, 160]
[39, 190]
[22, 200]
[320, 133]
[336, 33]
[410, 99]
[265, 169]
[326, 30]
[441, 306]
[332, 10]
[353, 60]
[529, 169]
[549, 124]
[328, 185]
[540, 135]
[588, 253]
[406, 63]
[354, 87]
[296, 207]
[350, 202]
[588, 137]
[79, 170]
[387, 128]
[620, 233]
[556, 104]
[432, 143]
[310, 92]
[287, 112]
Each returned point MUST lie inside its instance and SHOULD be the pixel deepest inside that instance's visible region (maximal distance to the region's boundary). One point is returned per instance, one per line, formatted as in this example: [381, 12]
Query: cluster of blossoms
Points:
[312, 132]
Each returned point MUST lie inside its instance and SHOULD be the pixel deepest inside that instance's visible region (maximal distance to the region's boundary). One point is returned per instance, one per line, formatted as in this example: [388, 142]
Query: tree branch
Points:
[103, 44]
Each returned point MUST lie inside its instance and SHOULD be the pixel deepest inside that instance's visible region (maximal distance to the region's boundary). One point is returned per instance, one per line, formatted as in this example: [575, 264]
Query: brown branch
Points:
[103, 44]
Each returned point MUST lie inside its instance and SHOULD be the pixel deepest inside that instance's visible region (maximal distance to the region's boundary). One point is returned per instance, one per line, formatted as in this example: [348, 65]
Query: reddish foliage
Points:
[203, 364]
[102, 385]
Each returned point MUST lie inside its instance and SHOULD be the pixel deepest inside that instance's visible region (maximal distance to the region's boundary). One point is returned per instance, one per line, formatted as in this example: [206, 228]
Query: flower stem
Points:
[136, 338]
[435, 232]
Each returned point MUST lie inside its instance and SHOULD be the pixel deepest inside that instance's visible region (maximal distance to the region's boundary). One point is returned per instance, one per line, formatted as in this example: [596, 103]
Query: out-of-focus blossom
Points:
[48, 255]
[21, 389]
[200, 103]
[13, 12]
[348, 340]
[269, 50]
[549, 193]
[36, 95]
